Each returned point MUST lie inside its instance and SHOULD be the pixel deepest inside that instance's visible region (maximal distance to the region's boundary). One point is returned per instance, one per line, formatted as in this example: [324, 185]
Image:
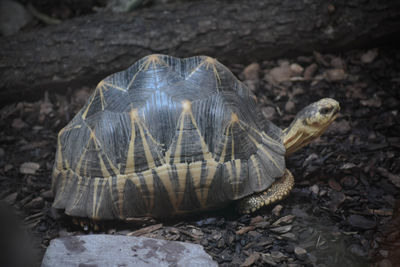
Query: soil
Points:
[343, 210]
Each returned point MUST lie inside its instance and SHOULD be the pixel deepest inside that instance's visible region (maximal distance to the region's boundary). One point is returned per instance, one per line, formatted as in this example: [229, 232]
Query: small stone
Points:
[268, 112]
[384, 253]
[349, 182]
[18, 124]
[290, 106]
[118, 250]
[337, 199]
[334, 75]
[48, 194]
[13, 17]
[277, 210]
[369, 56]
[310, 71]
[334, 185]
[279, 74]
[314, 189]
[35, 203]
[338, 63]
[252, 71]
[29, 168]
[361, 222]
[8, 167]
[300, 252]
[296, 69]
[385, 263]
[357, 250]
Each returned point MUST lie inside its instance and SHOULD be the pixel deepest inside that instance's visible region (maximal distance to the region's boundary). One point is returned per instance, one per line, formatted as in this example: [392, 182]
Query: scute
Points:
[166, 136]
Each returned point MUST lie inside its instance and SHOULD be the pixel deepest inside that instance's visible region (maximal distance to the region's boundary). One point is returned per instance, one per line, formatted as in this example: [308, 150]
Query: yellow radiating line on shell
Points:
[211, 167]
[165, 174]
[148, 179]
[149, 157]
[238, 166]
[232, 144]
[261, 147]
[256, 165]
[130, 159]
[222, 157]
[178, 148]
[114, 86]
[204, 148]
[95, 188]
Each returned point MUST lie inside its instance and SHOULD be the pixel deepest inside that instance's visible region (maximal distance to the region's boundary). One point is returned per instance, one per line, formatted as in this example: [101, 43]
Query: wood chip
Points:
[283, 220]
[146, 230]
[245, 229]
[395, 179]
[250, 260]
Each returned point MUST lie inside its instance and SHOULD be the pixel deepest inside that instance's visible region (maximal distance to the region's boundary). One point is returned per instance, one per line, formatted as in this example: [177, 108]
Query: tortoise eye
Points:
[325, 110]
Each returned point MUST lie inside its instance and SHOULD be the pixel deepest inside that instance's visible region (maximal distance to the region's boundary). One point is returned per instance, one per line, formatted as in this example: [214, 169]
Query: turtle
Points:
[171, 136]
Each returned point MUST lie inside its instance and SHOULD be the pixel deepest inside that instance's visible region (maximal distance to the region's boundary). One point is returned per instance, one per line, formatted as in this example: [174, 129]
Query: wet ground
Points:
[343, 211]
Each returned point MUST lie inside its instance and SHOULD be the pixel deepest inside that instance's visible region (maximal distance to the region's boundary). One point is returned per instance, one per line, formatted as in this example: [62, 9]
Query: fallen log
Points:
[83, 50]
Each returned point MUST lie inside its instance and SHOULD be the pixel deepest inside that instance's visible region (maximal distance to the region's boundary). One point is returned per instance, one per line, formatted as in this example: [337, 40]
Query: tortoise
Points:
[171, 136]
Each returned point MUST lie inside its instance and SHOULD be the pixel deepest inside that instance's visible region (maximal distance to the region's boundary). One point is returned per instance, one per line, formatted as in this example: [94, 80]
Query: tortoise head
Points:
[310, 123]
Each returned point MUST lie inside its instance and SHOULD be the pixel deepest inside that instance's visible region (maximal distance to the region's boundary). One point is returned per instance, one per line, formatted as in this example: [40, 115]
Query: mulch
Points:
[344, 209]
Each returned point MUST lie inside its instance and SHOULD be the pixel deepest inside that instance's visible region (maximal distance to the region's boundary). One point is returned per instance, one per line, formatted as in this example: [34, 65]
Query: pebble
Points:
[385, 263]
[338, 63]
[314, 189]
[310, 71]
[13, 17]
[18, 124]
[334, 185]
[369, 56]
[296, 69]
[48, 194]
[268, 112]
[300, 252]
[349, 182]
[290, 106]
[357, 250]
[334, 75]
[29, 168]
[277, 210]
[252, 71]
[360, 222]
[279, 74]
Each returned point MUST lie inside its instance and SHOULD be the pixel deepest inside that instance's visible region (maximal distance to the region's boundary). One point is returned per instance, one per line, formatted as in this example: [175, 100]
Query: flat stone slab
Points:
[123, 251]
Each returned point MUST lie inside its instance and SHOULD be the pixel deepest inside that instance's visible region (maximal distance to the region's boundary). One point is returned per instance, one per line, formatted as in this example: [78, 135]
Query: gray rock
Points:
[13, 17]
[118, 250]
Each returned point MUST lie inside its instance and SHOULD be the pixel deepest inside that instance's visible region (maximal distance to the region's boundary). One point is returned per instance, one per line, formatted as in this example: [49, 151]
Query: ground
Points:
[344, 209]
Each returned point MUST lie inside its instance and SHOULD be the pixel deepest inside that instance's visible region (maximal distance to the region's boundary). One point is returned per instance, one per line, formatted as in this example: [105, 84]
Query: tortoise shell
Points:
[165, 136]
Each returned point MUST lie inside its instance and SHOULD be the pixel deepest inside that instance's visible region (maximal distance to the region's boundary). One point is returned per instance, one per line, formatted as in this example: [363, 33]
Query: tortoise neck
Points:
[296, 136]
